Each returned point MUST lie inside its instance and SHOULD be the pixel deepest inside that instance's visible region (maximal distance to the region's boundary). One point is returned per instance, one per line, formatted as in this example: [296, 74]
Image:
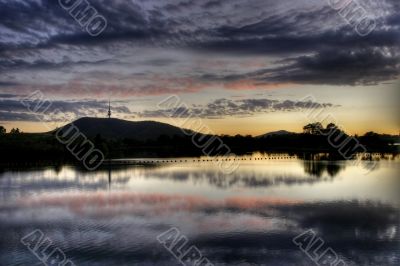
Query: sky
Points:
[241, 66]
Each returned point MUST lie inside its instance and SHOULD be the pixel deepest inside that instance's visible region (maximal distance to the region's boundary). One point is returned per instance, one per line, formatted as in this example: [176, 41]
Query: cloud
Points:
[307, 41]
[349, 67]
[16, 116]
[238, 108]
[8, 95]
[32, 110]
[7, 84]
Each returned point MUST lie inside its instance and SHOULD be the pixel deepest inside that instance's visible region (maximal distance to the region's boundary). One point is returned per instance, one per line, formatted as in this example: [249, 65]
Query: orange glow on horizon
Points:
[254, 126]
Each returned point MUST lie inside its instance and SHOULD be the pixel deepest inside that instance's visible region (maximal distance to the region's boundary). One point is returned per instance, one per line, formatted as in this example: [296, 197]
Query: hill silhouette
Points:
[113, 128]
[276, 133]
[118, 138]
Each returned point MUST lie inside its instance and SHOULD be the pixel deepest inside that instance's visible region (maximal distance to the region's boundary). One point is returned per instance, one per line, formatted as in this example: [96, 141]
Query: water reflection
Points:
[112, 216]
[266, 175]
[318, 168]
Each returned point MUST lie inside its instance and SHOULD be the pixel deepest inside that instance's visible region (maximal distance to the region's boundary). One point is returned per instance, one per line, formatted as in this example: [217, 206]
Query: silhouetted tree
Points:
[15, 131]
[371, 134]
[313, 128]
[307, 129]
[331, 126]
[2, 130]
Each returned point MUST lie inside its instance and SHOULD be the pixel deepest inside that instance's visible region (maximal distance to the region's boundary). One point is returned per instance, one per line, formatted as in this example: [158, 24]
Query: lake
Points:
[154, 214]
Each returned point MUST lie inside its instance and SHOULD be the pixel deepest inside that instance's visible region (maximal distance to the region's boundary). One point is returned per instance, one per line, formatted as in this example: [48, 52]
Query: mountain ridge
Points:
[115, 128]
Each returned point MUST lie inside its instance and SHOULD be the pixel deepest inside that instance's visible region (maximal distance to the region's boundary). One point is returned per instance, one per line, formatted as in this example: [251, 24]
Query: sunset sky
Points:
[242, 66]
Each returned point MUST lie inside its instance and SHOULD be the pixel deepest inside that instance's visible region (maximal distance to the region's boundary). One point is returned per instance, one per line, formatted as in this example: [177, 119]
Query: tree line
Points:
[17, 145]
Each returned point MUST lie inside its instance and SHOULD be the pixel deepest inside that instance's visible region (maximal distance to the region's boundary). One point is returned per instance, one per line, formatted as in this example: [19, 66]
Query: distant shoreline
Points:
[257, 156]
[116, 138]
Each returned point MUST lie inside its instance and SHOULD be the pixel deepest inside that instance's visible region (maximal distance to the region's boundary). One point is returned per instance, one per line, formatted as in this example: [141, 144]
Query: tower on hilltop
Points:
[109, 109]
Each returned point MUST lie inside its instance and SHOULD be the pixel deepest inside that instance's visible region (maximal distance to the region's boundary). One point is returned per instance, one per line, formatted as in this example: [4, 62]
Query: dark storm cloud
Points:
[332, 67]
[225, 107]
[44, 24]
[15, 110]
[324, 49]
[300, 31]
[15, 116]
[354, 67]
[7, 95]
[159, 62]
[7, 84]
[7, 65]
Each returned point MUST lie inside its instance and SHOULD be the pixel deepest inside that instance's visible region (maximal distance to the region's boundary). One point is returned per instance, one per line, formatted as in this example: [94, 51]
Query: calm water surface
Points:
[113, 216]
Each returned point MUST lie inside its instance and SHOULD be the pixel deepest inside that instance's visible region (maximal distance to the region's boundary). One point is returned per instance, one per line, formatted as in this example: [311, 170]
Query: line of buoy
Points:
[199, 160]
